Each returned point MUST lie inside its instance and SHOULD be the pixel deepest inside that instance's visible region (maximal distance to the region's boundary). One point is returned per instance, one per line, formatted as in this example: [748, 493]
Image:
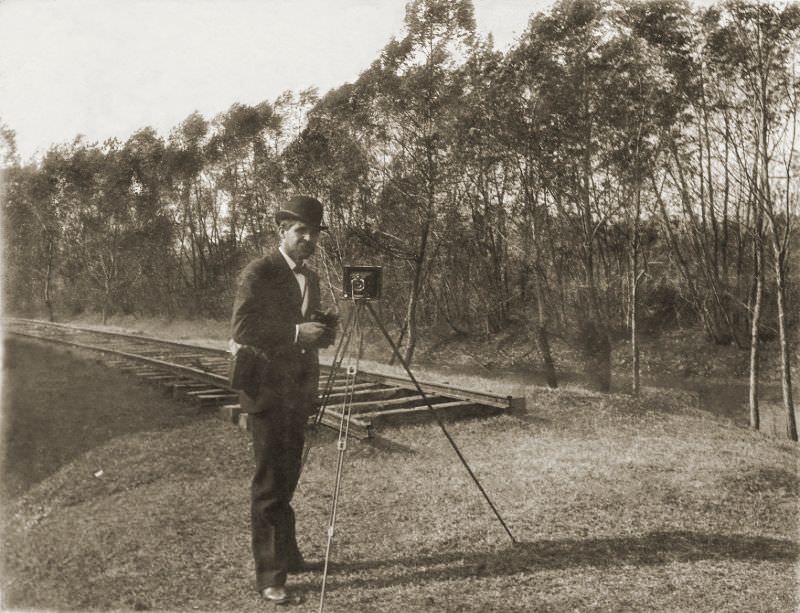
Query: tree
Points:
[8, 147]
[330, 159]
[650, 53]
[241, 162]
[33, 218]
[150, 267]
[97, 222]
[486, 177]
[191, 203]
[761, 43]
[414, 94]
[569, 73]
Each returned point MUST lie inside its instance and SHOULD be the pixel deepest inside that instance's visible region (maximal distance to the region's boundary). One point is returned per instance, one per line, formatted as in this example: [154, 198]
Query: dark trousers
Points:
[278, 448]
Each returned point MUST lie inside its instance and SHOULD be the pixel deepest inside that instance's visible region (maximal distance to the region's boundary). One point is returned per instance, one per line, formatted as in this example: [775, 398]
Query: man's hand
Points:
[330, 320]
[310, 333]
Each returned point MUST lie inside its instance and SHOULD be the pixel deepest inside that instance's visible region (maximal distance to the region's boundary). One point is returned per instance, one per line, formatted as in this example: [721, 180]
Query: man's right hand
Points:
[309, 334]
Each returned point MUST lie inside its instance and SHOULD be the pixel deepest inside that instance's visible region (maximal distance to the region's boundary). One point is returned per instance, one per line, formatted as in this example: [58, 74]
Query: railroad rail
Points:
[200, 374]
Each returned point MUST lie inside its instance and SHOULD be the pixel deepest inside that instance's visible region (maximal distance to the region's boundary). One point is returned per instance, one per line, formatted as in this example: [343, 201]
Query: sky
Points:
[107, 68]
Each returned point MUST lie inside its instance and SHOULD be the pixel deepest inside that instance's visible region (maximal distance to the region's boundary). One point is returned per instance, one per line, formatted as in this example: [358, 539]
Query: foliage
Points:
[622, 162]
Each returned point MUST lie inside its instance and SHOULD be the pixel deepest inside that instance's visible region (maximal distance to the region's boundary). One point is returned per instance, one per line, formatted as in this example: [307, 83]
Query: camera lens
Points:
[358, 284]
[361, 282]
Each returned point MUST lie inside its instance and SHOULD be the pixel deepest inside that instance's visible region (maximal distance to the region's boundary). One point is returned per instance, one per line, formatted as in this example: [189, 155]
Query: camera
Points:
[326, 318]
[330, 320]
[362, 282]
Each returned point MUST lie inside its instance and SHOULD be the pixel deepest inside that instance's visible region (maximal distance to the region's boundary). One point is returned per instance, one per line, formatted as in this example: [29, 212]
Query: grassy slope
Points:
[618, 505]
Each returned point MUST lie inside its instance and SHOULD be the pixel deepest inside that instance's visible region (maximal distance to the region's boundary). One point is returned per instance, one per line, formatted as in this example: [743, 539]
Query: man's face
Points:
[299, 241]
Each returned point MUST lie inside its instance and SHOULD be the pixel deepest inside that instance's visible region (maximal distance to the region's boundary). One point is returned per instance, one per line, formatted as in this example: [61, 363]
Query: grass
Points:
[506, 363]
[202, 331]
[215, 333]
[666, 358]
[617, 504]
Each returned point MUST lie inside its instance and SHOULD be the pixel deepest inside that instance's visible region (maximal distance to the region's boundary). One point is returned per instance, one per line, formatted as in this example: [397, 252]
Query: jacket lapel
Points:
[295, 298]
[285, 278]
[313, 291]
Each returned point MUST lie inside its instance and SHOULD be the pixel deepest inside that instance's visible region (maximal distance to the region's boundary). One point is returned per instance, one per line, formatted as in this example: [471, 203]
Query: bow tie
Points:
[300, 269]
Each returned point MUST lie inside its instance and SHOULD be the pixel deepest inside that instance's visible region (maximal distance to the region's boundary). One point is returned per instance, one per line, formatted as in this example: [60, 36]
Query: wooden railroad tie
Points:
[230, 412]
[216, 398]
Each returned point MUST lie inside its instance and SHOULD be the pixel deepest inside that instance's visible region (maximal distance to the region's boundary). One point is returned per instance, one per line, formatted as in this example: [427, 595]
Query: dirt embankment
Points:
[617, 504]
[57, 408]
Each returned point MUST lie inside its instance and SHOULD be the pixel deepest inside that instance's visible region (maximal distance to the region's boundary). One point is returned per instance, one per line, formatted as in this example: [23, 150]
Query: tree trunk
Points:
[413, 299]
[634, 314]
[106, 300]
[779, 253]
[594, 336]
[758, 272]
[532, 241]
[543, 342]
[542, 337]
[786, 367]
[412, 323]
[595, 347]
[399, 341]
[47, 280]
[634, 332]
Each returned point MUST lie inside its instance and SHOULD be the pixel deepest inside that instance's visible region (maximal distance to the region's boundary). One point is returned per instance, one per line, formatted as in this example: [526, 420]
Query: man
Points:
[276, 369]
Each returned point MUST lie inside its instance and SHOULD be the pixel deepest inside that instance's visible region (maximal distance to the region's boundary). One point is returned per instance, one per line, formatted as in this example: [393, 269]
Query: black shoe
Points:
[280, 596]
[276, 595]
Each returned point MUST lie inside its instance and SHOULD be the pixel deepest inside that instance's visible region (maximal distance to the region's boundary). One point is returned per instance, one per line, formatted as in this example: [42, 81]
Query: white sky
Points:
[107, 68]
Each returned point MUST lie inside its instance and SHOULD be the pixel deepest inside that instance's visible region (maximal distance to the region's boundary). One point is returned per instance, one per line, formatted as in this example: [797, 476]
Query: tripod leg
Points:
[341, 348]
[439, 420]
[338, 355]
[341, 446]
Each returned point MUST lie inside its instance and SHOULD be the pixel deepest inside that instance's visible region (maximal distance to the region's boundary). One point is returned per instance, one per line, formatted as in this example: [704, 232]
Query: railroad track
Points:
[200, 374]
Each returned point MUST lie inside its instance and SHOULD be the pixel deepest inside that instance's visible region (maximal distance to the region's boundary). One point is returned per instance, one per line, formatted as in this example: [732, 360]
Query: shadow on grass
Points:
[386, 445]
[652, 549]
[524, 417]
[58, 404]
[325, 437]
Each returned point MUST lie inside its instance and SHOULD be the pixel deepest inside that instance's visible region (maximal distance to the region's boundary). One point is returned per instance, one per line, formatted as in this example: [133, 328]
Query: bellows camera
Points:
[362, 282]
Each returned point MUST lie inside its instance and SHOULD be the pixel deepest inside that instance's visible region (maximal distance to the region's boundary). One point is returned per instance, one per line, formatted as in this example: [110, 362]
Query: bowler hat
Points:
[305, 209]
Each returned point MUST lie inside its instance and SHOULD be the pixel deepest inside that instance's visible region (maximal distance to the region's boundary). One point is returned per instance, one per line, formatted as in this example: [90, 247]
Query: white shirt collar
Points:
[289, 261]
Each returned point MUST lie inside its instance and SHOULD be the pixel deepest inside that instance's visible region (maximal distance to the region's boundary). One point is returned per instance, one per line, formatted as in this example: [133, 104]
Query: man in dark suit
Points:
[276, 369]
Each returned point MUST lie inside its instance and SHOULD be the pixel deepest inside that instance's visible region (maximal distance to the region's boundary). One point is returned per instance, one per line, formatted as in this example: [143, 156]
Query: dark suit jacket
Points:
[266, 309]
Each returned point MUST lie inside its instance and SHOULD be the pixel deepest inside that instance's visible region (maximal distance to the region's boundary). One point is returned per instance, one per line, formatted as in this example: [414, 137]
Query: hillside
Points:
[617, 505]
